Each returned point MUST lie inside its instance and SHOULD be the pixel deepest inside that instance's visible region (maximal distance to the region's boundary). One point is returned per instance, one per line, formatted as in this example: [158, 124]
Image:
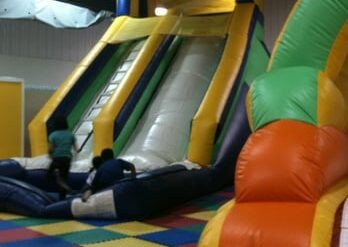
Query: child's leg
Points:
[86, 195]
[51, 170]
[62, 177]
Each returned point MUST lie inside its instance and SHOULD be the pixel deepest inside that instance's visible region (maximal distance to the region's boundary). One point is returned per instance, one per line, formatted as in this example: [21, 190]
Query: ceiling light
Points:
[161, 11]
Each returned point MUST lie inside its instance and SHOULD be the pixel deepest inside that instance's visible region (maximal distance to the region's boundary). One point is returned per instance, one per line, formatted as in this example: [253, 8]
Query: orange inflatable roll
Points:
[282, 172]
[290, 161]
[268, 225]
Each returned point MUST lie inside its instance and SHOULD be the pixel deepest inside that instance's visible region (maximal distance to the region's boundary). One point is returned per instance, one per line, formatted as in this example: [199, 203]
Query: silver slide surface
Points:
[162, 134]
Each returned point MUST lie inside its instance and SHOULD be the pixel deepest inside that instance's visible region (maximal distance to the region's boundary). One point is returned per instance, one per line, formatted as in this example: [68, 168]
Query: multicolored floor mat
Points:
[179, 227]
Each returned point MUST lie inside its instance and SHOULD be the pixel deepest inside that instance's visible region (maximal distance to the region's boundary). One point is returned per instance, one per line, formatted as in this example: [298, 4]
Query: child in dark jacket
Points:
[110, 171]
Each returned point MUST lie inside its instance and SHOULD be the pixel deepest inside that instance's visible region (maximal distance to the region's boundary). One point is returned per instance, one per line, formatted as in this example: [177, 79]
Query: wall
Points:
[276, 12]
[43, 56]
[36, 71]
[26, 38]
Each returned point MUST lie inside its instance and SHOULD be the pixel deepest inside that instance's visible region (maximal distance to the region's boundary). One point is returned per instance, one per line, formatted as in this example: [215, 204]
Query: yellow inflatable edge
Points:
[325, 214]
[205, 122]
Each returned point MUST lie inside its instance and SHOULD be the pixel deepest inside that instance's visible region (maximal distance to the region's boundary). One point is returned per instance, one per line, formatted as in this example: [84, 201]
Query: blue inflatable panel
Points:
[60, 210]
[237, 134]
[38, 178]
[147, 196]
[22, 198]
[11, 168]
[161, 171]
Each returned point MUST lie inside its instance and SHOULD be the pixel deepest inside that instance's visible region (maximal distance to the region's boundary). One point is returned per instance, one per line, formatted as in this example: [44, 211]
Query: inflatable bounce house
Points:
[166, 94]
[291, 179]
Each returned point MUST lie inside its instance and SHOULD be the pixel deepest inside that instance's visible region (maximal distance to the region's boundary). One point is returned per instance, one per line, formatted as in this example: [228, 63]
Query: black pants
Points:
[58, 171]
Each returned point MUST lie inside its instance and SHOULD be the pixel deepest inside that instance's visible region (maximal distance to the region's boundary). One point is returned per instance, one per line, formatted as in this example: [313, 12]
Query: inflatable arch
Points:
[291, 177]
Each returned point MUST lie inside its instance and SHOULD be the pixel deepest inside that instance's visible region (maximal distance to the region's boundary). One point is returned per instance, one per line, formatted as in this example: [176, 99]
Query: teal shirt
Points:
[62, 142]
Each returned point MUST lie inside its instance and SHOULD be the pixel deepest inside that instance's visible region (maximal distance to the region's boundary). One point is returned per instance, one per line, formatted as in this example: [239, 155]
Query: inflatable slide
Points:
[165, 93]
[291, 180]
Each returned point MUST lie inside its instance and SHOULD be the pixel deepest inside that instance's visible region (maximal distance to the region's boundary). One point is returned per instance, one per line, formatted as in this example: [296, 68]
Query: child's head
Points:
[107, 154]
[60, 123]
[96, 162]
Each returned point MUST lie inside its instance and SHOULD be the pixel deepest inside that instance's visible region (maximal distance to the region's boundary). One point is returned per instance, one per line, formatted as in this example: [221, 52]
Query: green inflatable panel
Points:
[289, 93]
[307, 39]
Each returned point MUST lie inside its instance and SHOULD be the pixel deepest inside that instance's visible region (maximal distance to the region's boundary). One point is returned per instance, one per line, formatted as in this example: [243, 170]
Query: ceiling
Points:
[94, 5]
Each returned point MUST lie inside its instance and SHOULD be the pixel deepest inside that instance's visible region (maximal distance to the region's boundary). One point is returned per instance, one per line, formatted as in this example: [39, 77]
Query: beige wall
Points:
[43, 56]
[27, 38]
[35, 98]
[276, 12]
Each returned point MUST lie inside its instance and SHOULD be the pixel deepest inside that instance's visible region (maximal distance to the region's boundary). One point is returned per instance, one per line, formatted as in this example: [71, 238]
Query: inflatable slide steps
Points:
[84, 127]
